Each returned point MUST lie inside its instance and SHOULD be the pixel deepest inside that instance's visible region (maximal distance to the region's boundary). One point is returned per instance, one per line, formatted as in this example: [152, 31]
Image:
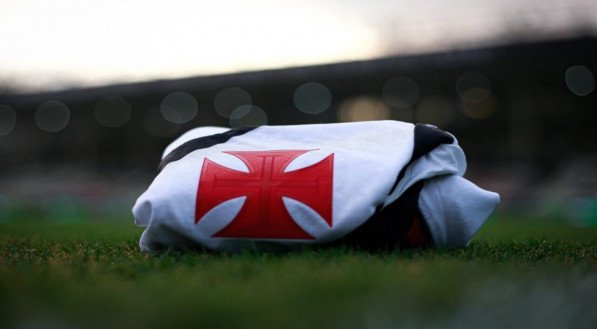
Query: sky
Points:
[51, 45]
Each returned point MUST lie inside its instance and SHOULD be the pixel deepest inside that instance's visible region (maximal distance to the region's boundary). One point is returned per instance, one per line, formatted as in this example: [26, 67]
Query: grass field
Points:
[90, 274]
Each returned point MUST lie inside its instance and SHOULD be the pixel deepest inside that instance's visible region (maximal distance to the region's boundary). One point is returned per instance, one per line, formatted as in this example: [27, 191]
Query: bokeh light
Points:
[363, 108]
[401, 92]
[481, 110]
[580, 80]
[247, 116]
[8, 119]
[156, 125]
[435, 110]
[312, 98]
[405, 114]
[228, 99]
[179, 107]
[52, 116]
[473, 87]
[112, 111]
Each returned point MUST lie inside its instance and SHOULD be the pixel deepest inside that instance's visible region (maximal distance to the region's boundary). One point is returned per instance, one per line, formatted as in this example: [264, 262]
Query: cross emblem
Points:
[263, 214]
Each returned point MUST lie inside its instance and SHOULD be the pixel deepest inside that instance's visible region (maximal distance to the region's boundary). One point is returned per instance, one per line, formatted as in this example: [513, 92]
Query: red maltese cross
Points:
[263, 214]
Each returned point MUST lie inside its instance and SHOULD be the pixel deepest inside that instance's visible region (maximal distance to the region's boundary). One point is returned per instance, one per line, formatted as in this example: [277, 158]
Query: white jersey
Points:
[309, 184]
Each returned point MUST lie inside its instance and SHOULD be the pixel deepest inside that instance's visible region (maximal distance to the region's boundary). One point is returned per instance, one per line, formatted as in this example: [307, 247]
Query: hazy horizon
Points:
[68, 43]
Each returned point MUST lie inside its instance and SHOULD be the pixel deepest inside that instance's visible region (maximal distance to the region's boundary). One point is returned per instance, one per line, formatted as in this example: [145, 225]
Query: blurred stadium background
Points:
[91, 92]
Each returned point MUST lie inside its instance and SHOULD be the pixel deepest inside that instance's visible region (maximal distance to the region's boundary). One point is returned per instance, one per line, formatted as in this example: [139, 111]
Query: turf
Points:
[90, 274]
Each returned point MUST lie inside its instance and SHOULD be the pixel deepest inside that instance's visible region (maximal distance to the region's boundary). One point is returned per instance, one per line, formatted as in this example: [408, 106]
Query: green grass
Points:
[516, 273]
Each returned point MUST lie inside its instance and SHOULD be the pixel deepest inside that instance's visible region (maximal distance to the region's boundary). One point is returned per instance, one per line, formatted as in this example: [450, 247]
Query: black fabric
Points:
[201, 143]
[427, 138]
[387, 228]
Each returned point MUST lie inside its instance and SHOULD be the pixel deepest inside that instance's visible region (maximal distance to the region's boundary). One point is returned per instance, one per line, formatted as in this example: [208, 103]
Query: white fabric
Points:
[368, 157]
[445, 159]
[454, 209]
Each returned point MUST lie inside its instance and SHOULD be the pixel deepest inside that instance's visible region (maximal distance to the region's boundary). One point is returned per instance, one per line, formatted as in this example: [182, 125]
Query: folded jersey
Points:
[377, 184]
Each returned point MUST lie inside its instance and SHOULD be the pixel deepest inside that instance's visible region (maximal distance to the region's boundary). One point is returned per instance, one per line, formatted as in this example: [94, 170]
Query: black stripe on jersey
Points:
[426, 139]
[201, 143]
